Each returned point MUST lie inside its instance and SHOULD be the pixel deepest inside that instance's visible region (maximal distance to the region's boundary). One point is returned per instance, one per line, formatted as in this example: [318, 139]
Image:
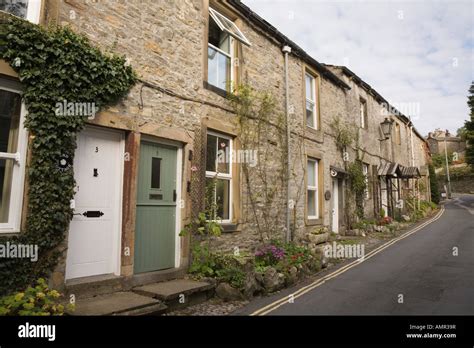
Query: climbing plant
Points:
[54, 65]
[261, 130]
[346, 136]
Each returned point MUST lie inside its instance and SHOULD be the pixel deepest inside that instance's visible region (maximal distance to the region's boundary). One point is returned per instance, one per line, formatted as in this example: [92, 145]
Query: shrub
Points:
[38, 300]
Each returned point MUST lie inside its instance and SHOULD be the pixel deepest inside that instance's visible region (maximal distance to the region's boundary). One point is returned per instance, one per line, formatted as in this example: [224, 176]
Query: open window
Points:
[221, 51]
[13, 140]
[226, 25]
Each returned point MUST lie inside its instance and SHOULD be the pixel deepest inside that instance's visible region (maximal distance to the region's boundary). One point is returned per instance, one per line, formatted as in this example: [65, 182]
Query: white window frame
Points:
[33, 11]
[365, 170]
[314, 188]
[219, 18]
[223, 176]
[313, 101]
[17, 185]
[231, 56]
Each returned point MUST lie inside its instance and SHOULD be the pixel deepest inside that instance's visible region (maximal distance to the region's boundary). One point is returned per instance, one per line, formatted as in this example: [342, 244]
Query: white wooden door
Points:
[94, 233]
[335, 205]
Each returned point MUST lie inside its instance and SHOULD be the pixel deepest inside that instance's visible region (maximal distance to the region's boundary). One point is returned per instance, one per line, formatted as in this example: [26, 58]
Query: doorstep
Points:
[93, 286]
[178, 293]
[119, 303]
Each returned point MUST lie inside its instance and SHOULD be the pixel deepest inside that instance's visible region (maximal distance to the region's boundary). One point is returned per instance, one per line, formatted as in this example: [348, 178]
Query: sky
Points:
[418, 54]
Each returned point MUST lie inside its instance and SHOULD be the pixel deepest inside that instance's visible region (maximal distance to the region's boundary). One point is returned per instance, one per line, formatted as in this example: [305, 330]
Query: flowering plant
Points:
[385, 220]
[269, 254]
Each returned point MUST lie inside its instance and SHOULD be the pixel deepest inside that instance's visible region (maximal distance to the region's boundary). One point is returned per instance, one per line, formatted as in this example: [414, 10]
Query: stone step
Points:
[119, 303]
[178, 293]
[86, 287]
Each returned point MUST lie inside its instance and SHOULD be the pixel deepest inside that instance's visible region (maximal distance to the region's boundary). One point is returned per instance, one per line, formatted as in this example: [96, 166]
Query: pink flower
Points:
[194, 169]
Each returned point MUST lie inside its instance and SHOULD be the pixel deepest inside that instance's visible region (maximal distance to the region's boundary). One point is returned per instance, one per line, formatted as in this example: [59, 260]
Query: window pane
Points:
[223, 155]
[155, 172]
[311, 174]
[217, 37]
[223, 199]
[6, 176]
[311, 203]
[10, 106]
[217, 198]
[310, 114]
[211, 153]
[218, 66]
[309, 87]
[16, 7]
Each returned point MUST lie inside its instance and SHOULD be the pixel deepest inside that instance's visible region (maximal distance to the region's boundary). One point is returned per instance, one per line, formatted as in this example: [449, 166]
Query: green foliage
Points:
[435, 194]
[54, 65]
[223, 267]
[202, 227]
[458, 173]
[261, 124]
[469, 126]
[439, 160]
[358, 185]
[344, 134]
[38, 301]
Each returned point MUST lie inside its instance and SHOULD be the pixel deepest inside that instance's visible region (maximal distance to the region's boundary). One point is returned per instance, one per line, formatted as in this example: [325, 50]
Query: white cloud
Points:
[409, 51]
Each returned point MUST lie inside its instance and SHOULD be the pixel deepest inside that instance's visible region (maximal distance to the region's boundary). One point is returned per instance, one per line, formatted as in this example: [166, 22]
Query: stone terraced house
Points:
[177, 120]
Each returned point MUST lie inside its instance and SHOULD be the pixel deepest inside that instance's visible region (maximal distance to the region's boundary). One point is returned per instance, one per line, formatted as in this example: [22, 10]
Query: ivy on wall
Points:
[55, 65]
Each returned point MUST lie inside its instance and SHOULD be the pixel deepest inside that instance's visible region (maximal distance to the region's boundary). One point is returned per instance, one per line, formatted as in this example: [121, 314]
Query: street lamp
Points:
[386, 128]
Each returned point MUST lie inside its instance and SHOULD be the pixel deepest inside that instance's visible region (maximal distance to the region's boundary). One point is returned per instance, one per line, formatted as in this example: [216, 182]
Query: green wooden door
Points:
[155, 228]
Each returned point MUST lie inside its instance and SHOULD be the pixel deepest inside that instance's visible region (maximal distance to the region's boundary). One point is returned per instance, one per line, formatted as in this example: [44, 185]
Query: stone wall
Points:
[165, 42]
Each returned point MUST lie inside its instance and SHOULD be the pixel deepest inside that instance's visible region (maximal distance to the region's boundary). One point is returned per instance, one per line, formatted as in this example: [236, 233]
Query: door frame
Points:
[335, 204]
[117, 236]
[179, 177]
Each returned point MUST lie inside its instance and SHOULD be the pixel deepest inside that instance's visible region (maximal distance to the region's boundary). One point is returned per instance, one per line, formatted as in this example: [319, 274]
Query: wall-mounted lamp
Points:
[386, 127]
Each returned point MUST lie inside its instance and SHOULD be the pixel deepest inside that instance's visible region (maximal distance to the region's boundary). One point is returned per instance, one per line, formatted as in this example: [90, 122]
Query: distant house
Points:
[439, 139]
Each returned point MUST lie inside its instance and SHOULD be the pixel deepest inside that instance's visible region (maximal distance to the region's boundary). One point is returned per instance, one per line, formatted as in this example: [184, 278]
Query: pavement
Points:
[430, 272]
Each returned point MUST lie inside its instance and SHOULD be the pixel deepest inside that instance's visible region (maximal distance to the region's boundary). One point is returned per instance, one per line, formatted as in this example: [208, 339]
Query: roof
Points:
[395, 169]
[377, 97]
[258, 21]
[387, 169]
[409, 172]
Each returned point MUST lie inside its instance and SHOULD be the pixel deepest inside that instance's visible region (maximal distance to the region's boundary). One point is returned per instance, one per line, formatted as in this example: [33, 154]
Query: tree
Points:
[461, 132]
[469, 125]
[435, 196]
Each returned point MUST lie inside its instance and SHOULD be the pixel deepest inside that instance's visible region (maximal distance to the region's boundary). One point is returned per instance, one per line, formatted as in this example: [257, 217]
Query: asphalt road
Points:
[421, 267]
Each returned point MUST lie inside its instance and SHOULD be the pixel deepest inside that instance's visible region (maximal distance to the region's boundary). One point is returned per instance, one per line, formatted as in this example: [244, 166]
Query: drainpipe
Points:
[412, 150]
[448, 194]
[286, 50]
